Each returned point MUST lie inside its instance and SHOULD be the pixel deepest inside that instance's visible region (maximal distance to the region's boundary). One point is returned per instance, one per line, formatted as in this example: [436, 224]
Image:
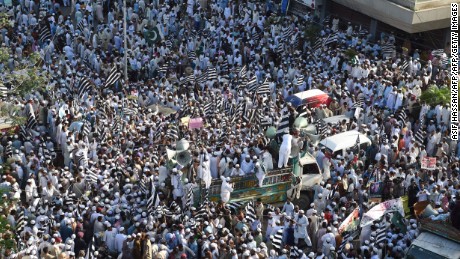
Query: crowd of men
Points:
[89, 175]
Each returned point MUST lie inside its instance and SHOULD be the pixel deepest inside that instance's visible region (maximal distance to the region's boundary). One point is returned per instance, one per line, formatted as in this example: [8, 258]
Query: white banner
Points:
[379, 210]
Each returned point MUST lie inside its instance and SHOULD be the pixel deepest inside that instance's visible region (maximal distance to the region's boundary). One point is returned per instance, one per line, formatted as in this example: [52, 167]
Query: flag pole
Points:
[125, 46]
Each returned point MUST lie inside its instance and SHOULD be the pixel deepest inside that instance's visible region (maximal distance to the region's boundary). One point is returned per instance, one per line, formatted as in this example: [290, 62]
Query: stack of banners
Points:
[380, 209]
[351, 223]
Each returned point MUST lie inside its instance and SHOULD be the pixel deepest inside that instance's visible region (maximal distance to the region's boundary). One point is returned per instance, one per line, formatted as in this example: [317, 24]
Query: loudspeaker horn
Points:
[184, 158]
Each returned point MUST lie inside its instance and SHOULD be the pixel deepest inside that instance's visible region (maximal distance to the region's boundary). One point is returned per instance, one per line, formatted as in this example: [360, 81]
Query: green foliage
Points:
[6, 236]
[312, 32]
[434, 96]
[11, 114]
[27, 76]
[350, 53]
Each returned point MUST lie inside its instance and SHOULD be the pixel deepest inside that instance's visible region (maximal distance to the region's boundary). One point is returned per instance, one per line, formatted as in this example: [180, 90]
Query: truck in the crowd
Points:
[295, 182]
[437, 240]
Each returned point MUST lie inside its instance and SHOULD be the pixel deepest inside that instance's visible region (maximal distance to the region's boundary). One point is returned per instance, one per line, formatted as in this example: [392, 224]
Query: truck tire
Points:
[303, 201]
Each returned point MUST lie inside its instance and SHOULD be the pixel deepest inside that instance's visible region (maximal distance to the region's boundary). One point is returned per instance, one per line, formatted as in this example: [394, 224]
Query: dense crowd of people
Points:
[89, 174]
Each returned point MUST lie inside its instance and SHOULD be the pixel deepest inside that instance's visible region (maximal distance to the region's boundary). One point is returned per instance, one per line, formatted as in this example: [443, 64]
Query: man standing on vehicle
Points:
[285, 150]
[226, 189]
[301, 229]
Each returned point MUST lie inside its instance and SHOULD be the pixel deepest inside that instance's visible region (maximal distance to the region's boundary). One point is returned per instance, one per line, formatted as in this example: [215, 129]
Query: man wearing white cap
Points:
[260, 172]
[120, 239]
[301, 229]
[320, 204]
[109, 237]
[176, 182]
[226, 189]
[285, 149]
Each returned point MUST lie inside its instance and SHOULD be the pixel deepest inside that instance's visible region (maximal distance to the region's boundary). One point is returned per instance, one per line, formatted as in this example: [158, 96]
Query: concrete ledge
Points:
[401, 17]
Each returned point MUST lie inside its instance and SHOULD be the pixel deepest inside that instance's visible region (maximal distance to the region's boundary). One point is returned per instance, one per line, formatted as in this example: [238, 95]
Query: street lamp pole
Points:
[125, 58]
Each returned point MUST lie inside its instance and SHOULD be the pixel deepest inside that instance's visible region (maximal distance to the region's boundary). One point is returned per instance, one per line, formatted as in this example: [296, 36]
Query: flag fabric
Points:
[81, 25]
[90, 252]
[211, 73]
[9, 150]
[154, 35]
[277, 239]
[21, 222]
[420, 136]
[251, 85]
[113, 77]
[388, 49]
[172, 132]
[83, 87]
[188, 199]
[321, 127]
[3, 91]
[234, 206]
[153, 199]
[359, 102]
[355, 148]
[243, 72]
[381, 234]
[91, 176]
[264, 88]
[250, 212]
[399, 221]
[284, 123]
[31, 121]
[44, 33]
[296, 253]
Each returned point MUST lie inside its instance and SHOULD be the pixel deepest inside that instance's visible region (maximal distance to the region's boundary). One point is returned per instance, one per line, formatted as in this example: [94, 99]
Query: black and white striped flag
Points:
[44, 32]
[331, 38]
[153, 199]
[250, 212]
[251, 85]
[388, 49]
[83, 87]
[287, 33]
[296, 253]
[188, 199]
[9, 150]
[113, 77]
[284, 123]
[21, 222]
[3, 91]
[234, 206]
[401, 117]
[31, 121]
[345, 239]
[173, 132]
[264, 88]
[211, 73]
[91, 176]
[243, 72]
[359, 103]
[321, 127]
[91, 252]
[192, 55]
[277, 239]
[381, 234]
[81, 25]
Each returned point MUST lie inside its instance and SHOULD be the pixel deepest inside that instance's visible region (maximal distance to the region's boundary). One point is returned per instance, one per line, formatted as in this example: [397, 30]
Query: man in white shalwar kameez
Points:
[260, 173]
[226, 189]
[176, 182]
[300, 231]
[326, 168]
[285, 150]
